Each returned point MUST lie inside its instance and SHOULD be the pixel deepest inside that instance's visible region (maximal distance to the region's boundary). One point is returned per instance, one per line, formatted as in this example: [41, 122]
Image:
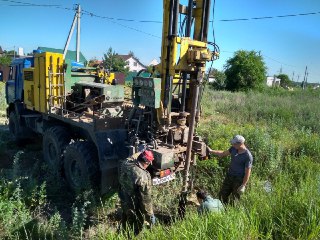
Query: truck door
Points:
[11, 84]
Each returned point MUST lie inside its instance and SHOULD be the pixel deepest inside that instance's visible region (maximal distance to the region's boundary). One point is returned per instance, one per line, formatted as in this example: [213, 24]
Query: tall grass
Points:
[283, 132]
[274, 106]
[2, 97]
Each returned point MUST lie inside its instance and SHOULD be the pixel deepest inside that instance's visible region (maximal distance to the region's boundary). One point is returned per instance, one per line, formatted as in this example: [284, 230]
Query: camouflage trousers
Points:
[229, 187]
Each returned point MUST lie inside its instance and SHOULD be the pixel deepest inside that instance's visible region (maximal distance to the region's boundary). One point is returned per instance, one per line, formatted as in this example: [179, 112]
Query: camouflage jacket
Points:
[135, 188]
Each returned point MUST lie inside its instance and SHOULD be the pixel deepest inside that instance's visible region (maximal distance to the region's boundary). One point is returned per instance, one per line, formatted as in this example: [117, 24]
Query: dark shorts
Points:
[229, 187]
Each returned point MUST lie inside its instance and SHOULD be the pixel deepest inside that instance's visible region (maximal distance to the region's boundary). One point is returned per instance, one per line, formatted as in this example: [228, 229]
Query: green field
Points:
[282, 129]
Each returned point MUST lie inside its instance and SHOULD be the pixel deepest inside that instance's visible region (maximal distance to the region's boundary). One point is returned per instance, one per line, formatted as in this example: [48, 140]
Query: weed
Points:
[283, 136]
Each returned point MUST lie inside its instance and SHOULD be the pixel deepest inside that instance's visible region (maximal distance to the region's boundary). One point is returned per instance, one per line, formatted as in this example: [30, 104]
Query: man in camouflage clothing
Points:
[135, 191]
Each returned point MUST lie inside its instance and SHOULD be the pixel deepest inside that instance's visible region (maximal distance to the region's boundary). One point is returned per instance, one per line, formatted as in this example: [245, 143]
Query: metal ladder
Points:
[57, 94]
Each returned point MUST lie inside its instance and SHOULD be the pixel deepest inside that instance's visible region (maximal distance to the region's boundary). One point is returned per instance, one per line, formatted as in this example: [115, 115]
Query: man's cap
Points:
[146, 156]
[237, 139]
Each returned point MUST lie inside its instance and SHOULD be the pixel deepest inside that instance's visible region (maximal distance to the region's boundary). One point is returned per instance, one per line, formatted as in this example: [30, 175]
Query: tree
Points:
[219, 79]
[93, 61]
[245, 70]
[11, 53]
[113, 62]
[285, 80]
[5, 60]
[131, 53]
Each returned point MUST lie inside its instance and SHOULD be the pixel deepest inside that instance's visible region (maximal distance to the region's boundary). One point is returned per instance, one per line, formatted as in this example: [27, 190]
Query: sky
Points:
[287, 44]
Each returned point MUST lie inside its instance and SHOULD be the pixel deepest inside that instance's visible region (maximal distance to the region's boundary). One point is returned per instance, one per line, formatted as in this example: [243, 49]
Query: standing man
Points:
[135, 191]
[239, 170]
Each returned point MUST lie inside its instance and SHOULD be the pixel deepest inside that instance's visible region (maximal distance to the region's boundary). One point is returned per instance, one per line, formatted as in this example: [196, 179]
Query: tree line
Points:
[246, 70]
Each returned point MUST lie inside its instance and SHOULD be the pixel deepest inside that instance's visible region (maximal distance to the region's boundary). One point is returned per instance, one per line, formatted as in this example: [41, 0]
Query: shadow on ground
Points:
[24, 161]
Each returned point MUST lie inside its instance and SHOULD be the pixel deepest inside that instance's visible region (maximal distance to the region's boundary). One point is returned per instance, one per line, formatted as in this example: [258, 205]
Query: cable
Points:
[278, 61]
[123, 19]
[270, 17]
[113, 20]
[84, 12]
[213, 33]
[110, 19]
[25, 4]
[156, 21]
[289, 65]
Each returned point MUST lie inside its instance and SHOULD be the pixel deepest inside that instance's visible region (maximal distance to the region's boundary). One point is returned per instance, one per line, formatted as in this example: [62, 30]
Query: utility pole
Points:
[78, 33]
[307, 77]
[304, 78]
[76, 19]
[292, 76]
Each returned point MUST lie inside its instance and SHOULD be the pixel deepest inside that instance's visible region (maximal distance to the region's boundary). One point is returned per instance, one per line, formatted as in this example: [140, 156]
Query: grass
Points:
[283, 132]
[2, 97]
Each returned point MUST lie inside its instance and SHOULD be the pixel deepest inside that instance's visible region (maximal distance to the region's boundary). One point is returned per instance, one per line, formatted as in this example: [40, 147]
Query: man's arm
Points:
[219, 153]
[245, 180]
[246, 176]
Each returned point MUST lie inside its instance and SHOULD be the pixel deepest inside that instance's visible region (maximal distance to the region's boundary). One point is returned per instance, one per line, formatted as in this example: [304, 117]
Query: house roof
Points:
[126, 57]
[154, 62]
[72, 55]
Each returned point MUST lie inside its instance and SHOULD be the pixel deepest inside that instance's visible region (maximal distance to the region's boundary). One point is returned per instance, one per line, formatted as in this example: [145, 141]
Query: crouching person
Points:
[135, 192]
[207, 203]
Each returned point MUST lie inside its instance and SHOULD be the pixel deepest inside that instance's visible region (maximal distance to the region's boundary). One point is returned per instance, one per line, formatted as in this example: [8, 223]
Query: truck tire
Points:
[81, 165]
[14, 127]
[55, 140]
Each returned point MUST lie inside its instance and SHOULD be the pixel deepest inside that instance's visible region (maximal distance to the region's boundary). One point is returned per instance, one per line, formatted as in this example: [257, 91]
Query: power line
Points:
[23, 4]
[293, 66]
[112, 20]
[269, 17]
[84, 12]
[115, 20]
[121, 19]
[26, 4]
[279, 61]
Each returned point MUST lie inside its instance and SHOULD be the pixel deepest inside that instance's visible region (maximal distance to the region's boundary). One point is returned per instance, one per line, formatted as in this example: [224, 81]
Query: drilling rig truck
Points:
[87, 126]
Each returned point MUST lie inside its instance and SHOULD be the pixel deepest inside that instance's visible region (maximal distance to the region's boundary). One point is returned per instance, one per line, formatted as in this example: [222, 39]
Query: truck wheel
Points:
[81, 165]
[55, 140]
[14, 126]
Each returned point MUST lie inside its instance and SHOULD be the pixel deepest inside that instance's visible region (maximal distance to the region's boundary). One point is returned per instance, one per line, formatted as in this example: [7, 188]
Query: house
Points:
[1, 51]
[211, 79]
[133, 63]
[71, 55]
[20, 52]
[4, 72]
[273, 81]
[154, 62]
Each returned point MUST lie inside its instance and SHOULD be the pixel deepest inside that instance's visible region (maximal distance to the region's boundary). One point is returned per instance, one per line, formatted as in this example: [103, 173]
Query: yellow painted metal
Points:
[108, 77]
[197, 14]
[187, 54]
[28, 83]
[48, 81]
[192, 51]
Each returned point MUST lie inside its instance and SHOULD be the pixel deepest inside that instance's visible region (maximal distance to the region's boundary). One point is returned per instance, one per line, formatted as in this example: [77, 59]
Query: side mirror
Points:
[1, 76]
